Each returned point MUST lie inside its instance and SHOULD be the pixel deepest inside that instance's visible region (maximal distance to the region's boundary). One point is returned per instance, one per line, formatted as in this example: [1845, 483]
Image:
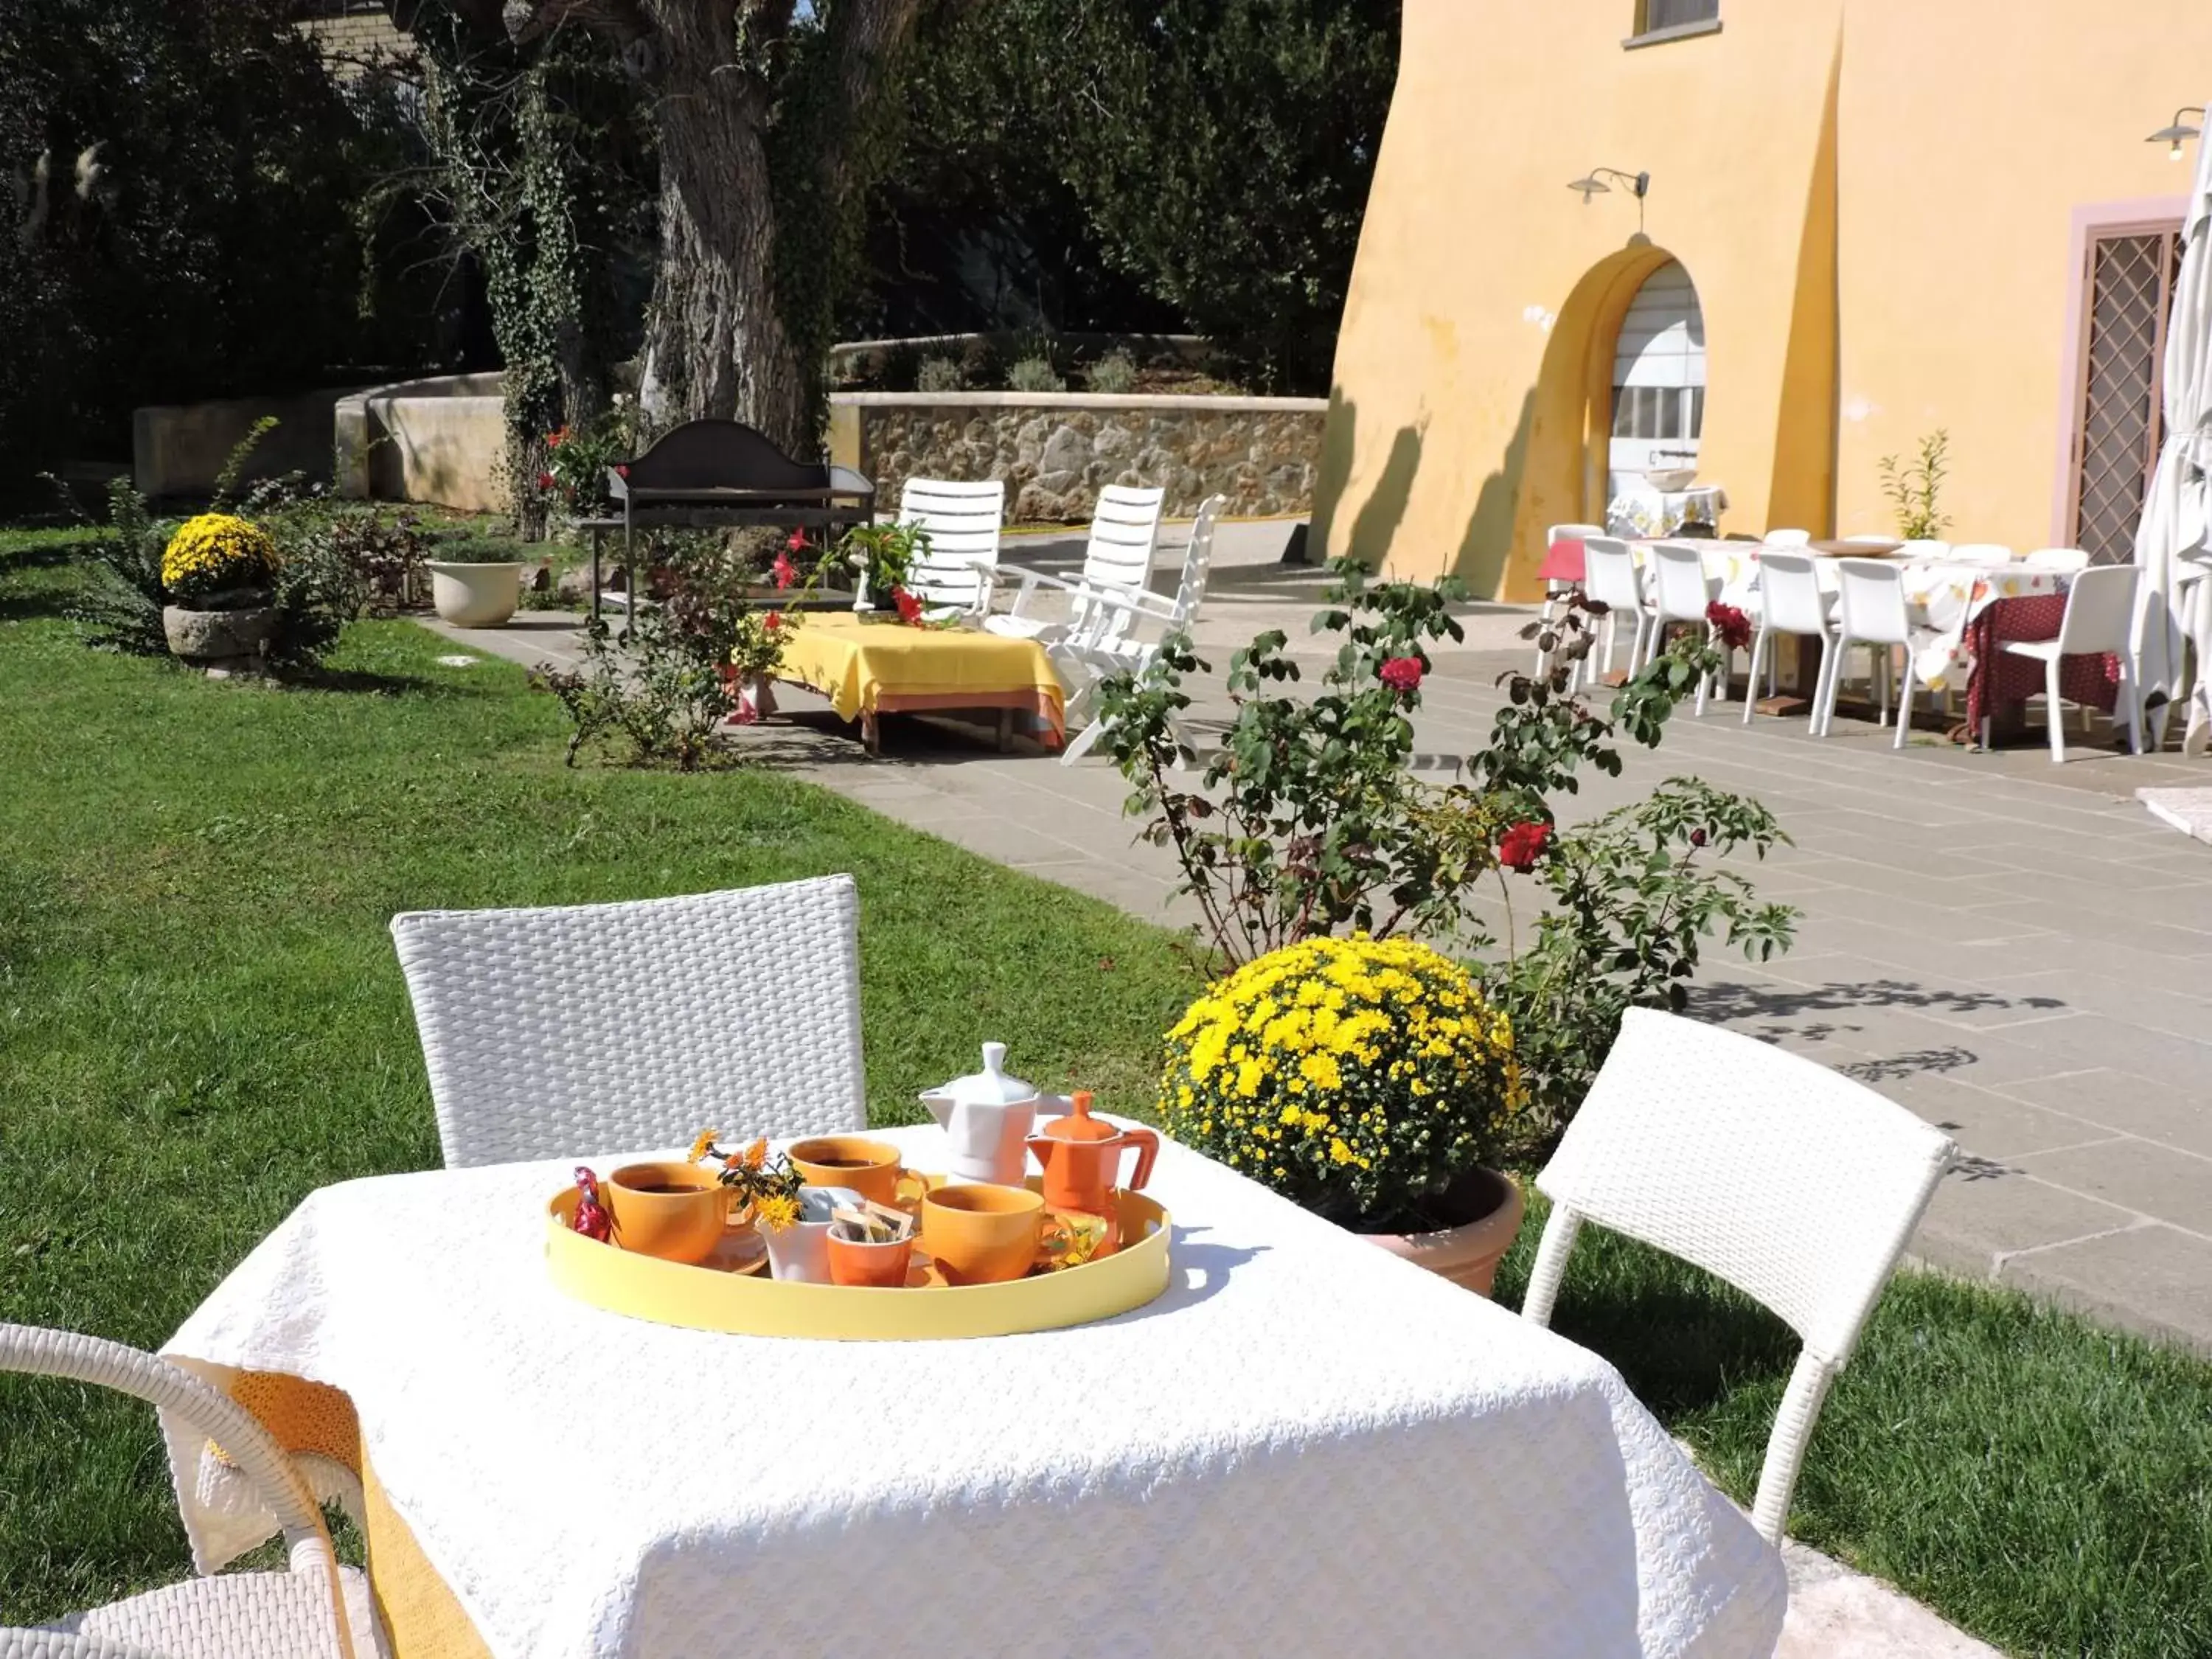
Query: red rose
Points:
[554, 440]
[909, 608]
[621, 469]
[1523, 844]
[1403, 674]
[1730, 625]
[545, 481]
[786, 572]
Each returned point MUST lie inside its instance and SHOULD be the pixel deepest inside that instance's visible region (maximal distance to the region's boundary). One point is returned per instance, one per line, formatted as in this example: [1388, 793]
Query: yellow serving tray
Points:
[677, 1293]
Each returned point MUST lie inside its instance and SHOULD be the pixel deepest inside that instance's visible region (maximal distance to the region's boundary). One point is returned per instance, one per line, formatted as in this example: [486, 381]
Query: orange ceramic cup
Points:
[675, 1211]
[882, 1265]
[869, 1168]
[982, 1235]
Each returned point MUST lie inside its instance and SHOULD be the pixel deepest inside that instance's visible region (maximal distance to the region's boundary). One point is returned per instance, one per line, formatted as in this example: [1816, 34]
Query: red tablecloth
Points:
[2001, 682]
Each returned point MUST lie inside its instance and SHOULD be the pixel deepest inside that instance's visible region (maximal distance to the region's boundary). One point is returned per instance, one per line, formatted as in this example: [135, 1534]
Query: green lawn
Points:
[201, 1020]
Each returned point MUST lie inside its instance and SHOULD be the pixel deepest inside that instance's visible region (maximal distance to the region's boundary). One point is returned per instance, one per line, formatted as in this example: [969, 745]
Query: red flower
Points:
[621, 469]
[1403, 674]
[555, 440]
[545, 481]
[1523, 844]
[589, 1218]
[909, 608]
[797, 542]
[785, 572]
[1729, 624]
[773, 621]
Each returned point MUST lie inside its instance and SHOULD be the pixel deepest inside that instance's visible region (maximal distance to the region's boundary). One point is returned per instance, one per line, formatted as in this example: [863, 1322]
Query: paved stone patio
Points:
[2018, 952]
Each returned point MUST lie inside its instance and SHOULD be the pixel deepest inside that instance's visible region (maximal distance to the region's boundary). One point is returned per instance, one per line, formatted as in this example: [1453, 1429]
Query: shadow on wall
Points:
[1488, 541]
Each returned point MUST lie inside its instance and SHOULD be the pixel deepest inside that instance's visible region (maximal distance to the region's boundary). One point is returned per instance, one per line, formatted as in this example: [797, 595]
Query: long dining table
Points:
[1305, 1445]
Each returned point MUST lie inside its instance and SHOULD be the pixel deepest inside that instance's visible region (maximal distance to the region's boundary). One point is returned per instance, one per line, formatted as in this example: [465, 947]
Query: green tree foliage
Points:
[1218, 151]
[189, 212]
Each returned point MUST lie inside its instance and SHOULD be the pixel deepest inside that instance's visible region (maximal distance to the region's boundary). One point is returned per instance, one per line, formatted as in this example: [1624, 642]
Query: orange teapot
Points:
[1081, 1156]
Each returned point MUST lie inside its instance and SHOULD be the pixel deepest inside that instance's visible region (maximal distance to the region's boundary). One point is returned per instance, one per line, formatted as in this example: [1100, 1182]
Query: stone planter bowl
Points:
[1468, 1254]
[231, 634]
[475, 595]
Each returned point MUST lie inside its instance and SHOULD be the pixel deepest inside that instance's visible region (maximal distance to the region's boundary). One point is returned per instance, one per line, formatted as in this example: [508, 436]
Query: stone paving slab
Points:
[2017, 951]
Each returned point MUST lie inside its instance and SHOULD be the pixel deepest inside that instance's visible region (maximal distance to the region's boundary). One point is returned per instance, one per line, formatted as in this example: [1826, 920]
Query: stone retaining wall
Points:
[1056, 450]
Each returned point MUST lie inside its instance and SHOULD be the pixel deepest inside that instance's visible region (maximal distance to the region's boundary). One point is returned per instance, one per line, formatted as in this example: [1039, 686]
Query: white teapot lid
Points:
[989, 1087]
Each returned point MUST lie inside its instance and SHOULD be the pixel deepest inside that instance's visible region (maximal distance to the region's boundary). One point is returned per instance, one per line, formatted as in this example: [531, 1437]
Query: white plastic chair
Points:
[954, 576]
[1555, 592]
[1870, 611]
[1125, 530]
[314, 1607]
[1790, 601]
[1680, 590]
[1992, 554]
[1084, 663]
[1797, 1186]
[1610, 577]
[2065, 560]
[597, 1028]
[1788, 539]
[2101, 617]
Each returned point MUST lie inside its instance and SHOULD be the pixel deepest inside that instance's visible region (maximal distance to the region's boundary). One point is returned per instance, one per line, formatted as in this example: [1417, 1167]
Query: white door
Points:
[1658, 380]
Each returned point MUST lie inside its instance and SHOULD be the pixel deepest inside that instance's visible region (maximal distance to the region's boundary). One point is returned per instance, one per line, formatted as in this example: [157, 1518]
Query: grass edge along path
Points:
[201, 1020]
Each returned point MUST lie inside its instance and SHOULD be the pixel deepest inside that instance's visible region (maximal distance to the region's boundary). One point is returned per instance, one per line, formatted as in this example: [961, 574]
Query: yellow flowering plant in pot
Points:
[215, 573]
[1367, 1080]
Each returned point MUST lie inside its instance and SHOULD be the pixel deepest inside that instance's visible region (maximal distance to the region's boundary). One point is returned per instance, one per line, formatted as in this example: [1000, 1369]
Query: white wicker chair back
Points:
[1797, 1185]
[600, 1028]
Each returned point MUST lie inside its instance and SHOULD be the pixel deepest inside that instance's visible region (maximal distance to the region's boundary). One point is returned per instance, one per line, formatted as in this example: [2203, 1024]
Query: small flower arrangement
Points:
[761, 637]
[768, 1188]
[881, 556]
[579, 458]
[216, 552]
[1359, 1078]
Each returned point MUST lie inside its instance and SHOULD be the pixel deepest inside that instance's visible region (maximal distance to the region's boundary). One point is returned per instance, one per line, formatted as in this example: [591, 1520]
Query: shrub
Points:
[940, 375]
[215, 553]
[1359, 1078]
[1915, 492]
[1114, 375]
[1034, 375]
[1308, 821]
[485, 549]
[119, 607]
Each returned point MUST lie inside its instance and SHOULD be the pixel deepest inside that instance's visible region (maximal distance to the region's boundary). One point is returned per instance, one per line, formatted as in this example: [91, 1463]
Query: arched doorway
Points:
[1658, 404]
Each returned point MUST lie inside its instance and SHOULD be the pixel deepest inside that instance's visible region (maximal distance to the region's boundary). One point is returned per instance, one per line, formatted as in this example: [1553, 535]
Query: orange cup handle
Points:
[1148, 1148]
[900, 1198]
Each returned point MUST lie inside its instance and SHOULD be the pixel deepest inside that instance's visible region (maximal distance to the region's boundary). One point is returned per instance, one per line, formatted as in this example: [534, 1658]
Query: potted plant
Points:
[215, 574]
[761, 637]
[880, 556]
[1367, 1080]
[477, 582]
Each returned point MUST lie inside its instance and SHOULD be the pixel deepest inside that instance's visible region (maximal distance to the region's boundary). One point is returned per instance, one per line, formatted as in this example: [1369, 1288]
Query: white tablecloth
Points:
[1643, 509]
[1303, 1447]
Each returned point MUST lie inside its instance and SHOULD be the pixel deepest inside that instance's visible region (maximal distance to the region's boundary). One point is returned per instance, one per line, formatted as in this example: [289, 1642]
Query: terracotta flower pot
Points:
[1467, 1252]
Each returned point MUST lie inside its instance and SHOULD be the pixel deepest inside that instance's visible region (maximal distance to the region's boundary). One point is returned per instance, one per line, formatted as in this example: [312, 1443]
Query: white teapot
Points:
[987, 1117]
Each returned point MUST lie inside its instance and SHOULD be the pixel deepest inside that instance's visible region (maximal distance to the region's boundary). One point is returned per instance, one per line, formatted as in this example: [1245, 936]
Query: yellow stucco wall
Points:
[1875, 199]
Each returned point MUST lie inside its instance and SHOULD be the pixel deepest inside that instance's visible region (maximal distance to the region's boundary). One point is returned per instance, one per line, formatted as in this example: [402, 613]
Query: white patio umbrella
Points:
[2177, 515]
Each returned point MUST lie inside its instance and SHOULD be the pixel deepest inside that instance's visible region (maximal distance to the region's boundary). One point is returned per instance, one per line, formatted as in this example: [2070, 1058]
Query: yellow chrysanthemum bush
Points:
[215, 552]
[1359, 1078]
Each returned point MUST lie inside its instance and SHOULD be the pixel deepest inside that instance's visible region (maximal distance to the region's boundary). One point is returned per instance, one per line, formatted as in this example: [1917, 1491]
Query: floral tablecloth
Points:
[1944, 599]
[1645, 510]
[1305, 1446]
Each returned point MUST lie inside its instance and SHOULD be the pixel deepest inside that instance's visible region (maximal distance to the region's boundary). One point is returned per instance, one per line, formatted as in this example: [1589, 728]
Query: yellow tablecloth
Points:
[867, 668]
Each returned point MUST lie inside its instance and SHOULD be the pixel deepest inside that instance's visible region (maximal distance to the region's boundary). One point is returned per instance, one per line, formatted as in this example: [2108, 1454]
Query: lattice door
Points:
[2129, 288]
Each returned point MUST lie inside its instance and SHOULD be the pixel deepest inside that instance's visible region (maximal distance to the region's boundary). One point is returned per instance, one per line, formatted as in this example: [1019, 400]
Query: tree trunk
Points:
[716, 345]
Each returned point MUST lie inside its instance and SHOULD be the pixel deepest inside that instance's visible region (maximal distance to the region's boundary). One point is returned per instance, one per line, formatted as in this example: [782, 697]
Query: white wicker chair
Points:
[599, 1028]
[1797, 1185]
[314, 1608]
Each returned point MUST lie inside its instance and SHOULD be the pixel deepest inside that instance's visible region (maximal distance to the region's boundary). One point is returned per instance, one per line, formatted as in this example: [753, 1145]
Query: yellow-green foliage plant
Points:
[1359, 1078]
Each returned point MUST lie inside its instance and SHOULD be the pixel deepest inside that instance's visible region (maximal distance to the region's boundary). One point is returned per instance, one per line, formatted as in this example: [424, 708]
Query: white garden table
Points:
[1304, 1446]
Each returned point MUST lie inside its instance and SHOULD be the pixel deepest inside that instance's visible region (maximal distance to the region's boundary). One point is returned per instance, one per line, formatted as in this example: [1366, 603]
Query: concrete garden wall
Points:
[179, 449]
[441, 441]
[1056, 450]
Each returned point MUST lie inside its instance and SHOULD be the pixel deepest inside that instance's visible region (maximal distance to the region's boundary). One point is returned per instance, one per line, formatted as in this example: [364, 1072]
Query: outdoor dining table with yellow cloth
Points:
[866, 668]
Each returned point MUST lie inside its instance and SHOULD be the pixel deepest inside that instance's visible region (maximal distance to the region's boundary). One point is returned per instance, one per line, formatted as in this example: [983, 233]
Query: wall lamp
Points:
[1593, 183]
[2172, 136]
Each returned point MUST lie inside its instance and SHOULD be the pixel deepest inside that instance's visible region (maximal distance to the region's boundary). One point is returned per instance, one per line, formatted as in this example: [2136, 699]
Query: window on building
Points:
[1652, 16]
[2119, 420]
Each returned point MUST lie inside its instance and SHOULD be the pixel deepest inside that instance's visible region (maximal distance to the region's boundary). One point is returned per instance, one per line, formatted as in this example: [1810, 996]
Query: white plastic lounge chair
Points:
[314, 1608]
[1124, 530]
[1797, 1185]
[1084, 661]
[599, 1028]
[955, 577]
